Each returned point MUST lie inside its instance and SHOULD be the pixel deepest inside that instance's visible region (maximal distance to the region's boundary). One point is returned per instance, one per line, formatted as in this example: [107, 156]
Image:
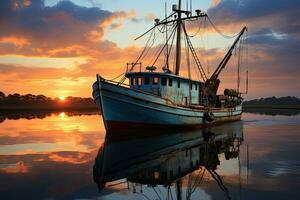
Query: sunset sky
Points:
[55, 48]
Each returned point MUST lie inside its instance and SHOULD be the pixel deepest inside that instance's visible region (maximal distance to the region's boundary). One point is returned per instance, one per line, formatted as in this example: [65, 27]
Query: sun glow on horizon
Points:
[62, 98]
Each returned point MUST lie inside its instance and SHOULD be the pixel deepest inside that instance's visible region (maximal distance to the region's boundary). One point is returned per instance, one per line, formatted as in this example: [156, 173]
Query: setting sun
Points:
[62, 98]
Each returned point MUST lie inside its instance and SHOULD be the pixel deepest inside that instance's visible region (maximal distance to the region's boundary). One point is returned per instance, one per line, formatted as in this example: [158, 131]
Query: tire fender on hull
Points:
[209, 116]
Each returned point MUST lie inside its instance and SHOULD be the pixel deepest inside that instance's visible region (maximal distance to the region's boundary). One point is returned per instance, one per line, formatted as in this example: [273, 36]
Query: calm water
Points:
[51, 156]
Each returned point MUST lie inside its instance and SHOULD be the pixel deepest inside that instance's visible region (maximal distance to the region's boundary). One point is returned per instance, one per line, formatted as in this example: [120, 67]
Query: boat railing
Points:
[132, 88]
[131, 66]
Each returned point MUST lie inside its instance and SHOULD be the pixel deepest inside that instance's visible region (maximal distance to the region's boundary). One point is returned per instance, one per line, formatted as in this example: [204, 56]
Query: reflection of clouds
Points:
[20, 163]
[48, 177]
[51, 134]
[283, 167]
[18, 167]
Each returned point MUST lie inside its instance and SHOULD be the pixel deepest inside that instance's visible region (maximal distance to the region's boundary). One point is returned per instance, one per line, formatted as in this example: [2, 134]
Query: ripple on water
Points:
[278, 168]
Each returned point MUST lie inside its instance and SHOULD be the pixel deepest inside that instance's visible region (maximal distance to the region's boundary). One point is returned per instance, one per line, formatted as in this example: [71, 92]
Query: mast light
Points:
[198, 12]
[156, 21]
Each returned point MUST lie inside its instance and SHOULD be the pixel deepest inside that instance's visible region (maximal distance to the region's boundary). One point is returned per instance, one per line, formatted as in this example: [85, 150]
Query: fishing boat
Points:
[155, 98]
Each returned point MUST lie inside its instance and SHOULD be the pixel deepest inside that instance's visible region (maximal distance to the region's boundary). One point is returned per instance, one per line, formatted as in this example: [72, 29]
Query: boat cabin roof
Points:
[134, 74]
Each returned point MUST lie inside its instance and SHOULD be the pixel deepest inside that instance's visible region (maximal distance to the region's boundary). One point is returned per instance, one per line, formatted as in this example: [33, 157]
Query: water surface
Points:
[51, 156]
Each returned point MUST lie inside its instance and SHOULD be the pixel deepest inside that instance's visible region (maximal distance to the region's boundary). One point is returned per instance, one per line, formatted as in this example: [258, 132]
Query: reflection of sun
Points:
[62, 98]
[62, 114]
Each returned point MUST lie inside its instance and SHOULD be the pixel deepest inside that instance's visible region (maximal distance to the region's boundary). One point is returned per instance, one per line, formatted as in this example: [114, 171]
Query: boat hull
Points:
[125, 109]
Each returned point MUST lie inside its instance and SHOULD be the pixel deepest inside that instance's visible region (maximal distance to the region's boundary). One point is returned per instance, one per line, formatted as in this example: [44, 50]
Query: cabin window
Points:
[155, 80]
[156, 175]
[170, 82]
[178, 83]
[139, 81]
[163, 81]
[196, 87]
[131, 81]
[147, 80]
[191, 86]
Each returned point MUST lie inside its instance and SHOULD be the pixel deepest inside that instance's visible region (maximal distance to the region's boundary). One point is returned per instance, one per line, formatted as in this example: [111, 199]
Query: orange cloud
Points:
[17, 41]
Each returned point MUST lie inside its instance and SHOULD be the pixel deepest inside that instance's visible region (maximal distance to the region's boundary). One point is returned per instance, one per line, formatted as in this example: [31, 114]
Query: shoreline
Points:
[273, 107]
[46, 109]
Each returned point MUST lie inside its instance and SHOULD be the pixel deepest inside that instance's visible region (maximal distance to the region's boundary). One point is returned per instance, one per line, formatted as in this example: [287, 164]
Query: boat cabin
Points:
[179, 90]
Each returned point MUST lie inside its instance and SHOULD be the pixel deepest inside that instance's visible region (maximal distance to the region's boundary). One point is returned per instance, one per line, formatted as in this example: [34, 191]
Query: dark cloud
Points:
[273, 38]
[48, 27]
[278, 15]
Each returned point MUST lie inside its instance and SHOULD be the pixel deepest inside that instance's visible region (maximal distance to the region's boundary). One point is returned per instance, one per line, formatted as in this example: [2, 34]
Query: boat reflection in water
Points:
[143, 164]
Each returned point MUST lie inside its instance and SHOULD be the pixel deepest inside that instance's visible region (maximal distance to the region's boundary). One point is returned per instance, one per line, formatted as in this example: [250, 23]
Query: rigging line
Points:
[149, 46]
[199, 28]
[187, 57]
[198, 181]
[154, 26]
[239, 64]
[198, 63]
[117, 76]
[159, 190]
[170, 48]
[164, 46]
[220, 183]
[141, 55]
[156, 193]
[156, 54]
[164, 30]
[218, 30]
[167, 49]
[144, 196]
[207, 44]
[188, 66]
[171, 193]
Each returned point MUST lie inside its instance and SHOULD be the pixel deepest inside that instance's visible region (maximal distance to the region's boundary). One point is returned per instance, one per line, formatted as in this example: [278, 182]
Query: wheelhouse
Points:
[168, 86]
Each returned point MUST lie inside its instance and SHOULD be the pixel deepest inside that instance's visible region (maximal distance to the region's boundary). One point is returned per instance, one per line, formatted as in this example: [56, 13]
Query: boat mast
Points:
[178, 39]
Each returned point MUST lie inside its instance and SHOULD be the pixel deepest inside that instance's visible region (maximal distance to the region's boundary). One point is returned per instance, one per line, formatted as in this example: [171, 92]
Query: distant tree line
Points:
[41, 101]
[274, 101]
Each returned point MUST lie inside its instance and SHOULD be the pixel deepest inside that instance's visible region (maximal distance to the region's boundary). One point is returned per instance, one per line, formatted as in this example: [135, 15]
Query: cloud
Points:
[278, 15]
[47, 28]
[273, 38]
[149, 17]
